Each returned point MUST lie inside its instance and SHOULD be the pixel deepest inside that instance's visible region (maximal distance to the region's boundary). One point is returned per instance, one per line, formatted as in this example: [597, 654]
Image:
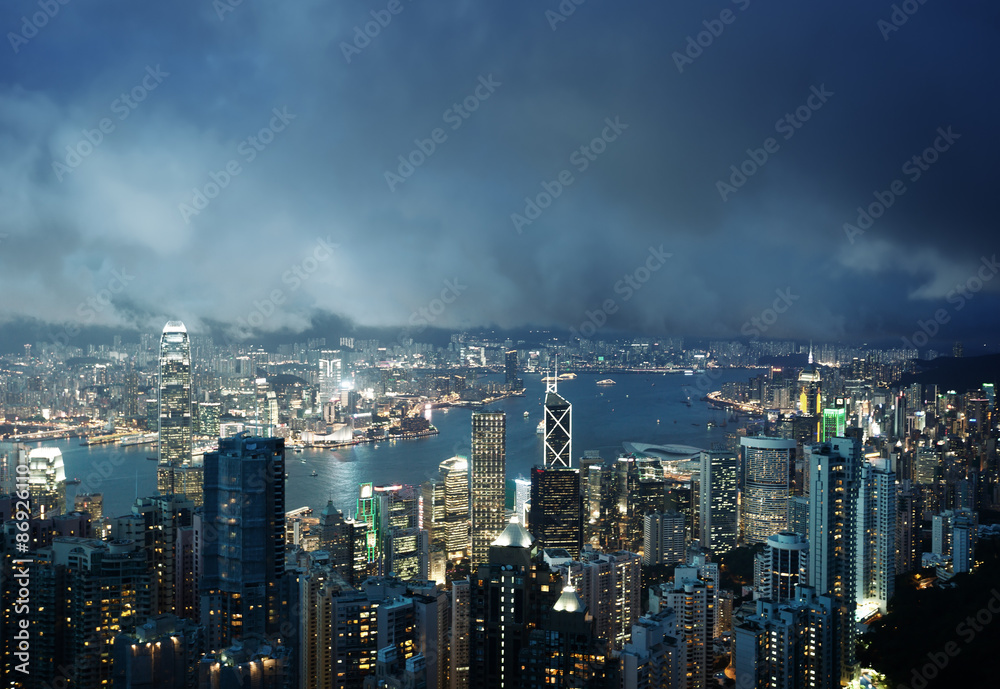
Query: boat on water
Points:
[72, 482]
[526, 414]
[540, 428]
[314, 473]
[606, 381]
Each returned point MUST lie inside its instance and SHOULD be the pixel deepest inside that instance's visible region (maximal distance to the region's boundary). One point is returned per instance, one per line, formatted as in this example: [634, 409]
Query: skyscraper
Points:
[717, 501]
[558, 429]
[329, 375]
[510, 370]
[765, 481]
[876, 534]
[174, 405]
[556, 511]
[786, 557]
[835, 477]
[664, 538]
[244, 541]
[489, 462]
[46, 481]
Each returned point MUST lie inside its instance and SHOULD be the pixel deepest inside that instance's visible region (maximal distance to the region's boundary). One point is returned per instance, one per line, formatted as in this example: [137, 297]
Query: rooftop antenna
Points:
[553, 384]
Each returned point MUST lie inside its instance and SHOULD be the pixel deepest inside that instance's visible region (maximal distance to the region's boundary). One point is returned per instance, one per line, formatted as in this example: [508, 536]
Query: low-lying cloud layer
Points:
[257, 163]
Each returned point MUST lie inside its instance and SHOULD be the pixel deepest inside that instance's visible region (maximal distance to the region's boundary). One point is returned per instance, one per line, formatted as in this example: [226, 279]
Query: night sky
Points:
[401, 139]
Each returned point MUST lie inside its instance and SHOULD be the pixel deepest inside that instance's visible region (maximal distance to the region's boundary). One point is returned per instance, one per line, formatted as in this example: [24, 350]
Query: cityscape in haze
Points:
[396, 345]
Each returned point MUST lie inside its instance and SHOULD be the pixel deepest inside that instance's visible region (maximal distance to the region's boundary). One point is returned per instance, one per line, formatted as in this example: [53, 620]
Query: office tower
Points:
[591, 466]
[244, 542]
[693, 596]
[46, 482]
[153, 414]
[510, 593]
[834, 423]
[461, 620]
[876, 534]
[652, 657]
[162, 653]
[406, 553]
[558, 451]
[556, 512]
[455, 476]
[329, 375]
[563, 651]
[810, 395]
[785, 566]
[765, 466]
[174, 406]
[208, 419]
[488, 466]
[787, 644]
[664, 538]
[717, 501]
[927, 467]
[522, 500]
[91, 503]
[835, 474]
[511, 370]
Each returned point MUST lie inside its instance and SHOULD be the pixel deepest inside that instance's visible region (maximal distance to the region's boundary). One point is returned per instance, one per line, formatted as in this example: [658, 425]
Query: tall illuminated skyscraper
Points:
[488, 465]
[717, 497]
[556, 510]
[243, 549]
[558, 430]
[835, 484]
[174, 405]
[765, 482]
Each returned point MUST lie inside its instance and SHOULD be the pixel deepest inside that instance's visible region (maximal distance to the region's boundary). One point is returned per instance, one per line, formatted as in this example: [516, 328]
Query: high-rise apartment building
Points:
[835, 483]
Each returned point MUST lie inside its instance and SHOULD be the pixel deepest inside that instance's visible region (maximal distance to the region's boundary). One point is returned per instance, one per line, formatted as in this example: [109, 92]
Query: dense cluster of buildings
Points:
[840, 484]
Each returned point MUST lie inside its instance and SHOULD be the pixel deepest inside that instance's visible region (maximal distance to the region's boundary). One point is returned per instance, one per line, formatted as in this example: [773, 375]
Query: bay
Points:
[647, 408]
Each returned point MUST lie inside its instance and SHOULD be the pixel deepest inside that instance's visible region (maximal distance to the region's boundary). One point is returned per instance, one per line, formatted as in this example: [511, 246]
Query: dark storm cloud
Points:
[315, 174]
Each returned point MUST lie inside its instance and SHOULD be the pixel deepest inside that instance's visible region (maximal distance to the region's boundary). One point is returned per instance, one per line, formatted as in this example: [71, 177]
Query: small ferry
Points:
[606, 381]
